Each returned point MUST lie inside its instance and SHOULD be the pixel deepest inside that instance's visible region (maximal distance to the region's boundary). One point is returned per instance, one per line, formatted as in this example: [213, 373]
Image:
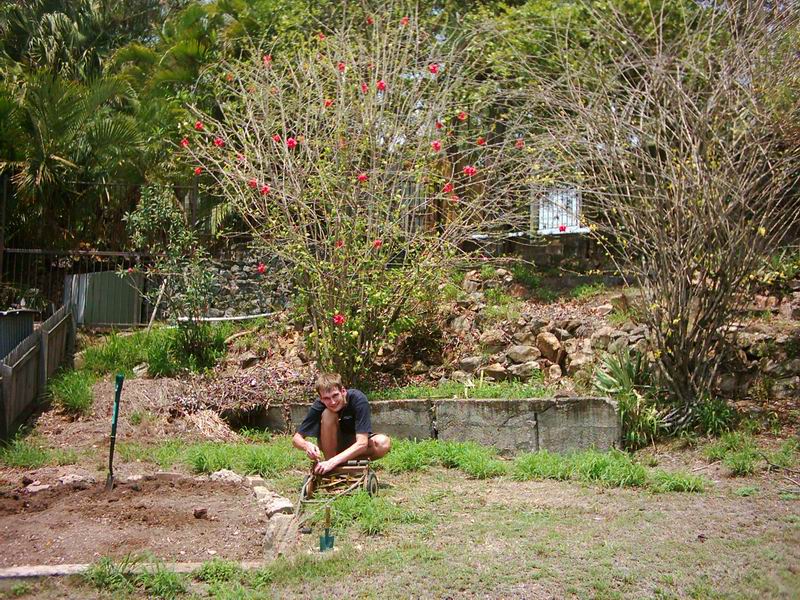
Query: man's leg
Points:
[329, 433]
[379, 446]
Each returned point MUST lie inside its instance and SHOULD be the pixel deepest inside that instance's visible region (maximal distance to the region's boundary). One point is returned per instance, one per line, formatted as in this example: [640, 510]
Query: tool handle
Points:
[327, 517]
[114, 418]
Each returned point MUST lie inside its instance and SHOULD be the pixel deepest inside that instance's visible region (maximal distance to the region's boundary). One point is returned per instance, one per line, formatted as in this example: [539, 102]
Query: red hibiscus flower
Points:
[184, 143]
[130, 269]
[261, 268]
[470, 171]
[462, 116]
[341, 67]
[276, 138]
[439, 125]
[562, 228]
[240, 157]
[328, 103]
[339, 244]
[339, 319]
[404, 21]
[321, 36]
[267, 59]
[198, 125]
[253, 183]
[219, 142]
[370, 21]
[264, 190]
[291, 143]
[481, 141]
[198, 170]
[436, 145]
[381, 85]
[433, 68]
[448, 187]
[519, 144]
[454, 198]
[364, 88]
[377, 244]
[362, 177]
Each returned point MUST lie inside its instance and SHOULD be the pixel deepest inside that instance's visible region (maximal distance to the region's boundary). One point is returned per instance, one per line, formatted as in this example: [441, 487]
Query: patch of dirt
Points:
[65, 524]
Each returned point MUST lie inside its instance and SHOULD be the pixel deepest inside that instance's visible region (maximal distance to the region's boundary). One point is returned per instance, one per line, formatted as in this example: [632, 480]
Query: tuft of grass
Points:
[72, 391]
[786, 455]
[587, 290]
[112, 576]
[23, 453]
[542, 465]
[610, 469]
[741, 462]
[663, 481]
[729, 442]
[160, 582]
[306, 567]
[747, 490]
[20, 589]
[714, 416]
[372, 516]
[219, 571]
[407, 455]
[266, 460]
[63, 457]
[618, 317]
[473, 459]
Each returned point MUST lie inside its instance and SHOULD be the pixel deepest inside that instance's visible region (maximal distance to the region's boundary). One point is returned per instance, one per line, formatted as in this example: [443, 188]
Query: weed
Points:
[63, 457]
[526, 275]
[729, 442]
[789, 496]
[476, 461]
[662, 481]
[23, 453]
[108, 575]
[747, 490]
[488, 272]
[219, 571]
[452, 389]
[267, 460]
[409, 455]
[587, 290]
[502, 312]
[20, 589]
[256, 435]
[373, 516]
[160, 582]
[306, 567]
[136, 417]
[786, 456]
[714, 416]
[72, 391]
[541, 465]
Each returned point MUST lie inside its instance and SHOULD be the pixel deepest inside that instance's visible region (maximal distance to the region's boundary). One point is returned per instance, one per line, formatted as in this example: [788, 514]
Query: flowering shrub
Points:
[373, 177]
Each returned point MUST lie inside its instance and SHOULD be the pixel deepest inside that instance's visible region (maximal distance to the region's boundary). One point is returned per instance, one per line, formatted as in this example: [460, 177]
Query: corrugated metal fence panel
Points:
[15, 326]
[56, 329]
[106, 298]
[20, 371]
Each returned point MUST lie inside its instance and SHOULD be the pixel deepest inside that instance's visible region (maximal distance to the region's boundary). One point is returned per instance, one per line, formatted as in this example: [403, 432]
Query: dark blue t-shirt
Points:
[353, 418]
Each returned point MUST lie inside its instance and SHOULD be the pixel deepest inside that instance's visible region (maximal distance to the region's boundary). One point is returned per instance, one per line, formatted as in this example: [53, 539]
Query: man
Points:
[340, 420]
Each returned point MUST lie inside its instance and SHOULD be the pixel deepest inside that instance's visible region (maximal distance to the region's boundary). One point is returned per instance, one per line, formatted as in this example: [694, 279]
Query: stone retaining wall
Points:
[554, 424]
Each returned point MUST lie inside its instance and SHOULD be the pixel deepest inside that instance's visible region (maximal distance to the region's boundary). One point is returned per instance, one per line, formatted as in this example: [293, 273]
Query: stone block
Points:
[577, 424]
[508, 425]
[406, 419]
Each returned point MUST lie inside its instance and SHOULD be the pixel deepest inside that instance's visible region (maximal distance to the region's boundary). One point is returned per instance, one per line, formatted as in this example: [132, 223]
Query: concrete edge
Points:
[32, 571]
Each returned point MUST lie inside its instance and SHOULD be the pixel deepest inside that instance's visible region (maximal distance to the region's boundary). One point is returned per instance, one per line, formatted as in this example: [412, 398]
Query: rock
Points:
[36, 487]
[470, 363]
[460, 324]
[248, 359]
[226, 476]
[548, 345]
[790, 307]
[255, 480]
[26, 480]
[140, 370]
[522, 354]
[79, 361]
[419, 367]
[281, 535]
[640, 346]
[553, 373]
[79, 481]
[601, 338]
[604, 310]
[492, 340]
[524, 370]
[793, 366]
[472, 282]
[200, 512]
[271, 502]
[787, 388]
[617, 345]
[728, 384]
[619, 302]
[562, 334]
[496, 371]
[525, 337]
[215, 313]
[579, 362]
[459, 376]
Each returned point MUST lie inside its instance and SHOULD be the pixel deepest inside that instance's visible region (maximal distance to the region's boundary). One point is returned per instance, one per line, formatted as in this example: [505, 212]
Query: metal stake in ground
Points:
[117, 394]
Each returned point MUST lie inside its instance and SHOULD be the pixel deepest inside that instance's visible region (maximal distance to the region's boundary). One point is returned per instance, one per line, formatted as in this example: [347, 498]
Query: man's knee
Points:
[381, 444]
[330, 417]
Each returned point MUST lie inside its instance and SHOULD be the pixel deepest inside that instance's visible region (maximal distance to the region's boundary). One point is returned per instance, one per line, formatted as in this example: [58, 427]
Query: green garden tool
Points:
[326, 541]
[118, 393]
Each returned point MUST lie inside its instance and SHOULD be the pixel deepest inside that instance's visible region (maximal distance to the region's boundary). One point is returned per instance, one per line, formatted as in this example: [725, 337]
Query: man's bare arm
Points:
[358, 447]
[300, 442]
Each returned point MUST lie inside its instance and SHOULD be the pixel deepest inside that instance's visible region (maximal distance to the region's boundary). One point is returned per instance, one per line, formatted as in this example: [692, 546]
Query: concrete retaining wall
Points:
[557, 425]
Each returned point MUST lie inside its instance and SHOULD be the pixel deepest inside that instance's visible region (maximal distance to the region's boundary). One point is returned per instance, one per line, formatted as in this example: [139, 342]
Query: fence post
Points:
[7, 394]
[44, 342]
[72, 334]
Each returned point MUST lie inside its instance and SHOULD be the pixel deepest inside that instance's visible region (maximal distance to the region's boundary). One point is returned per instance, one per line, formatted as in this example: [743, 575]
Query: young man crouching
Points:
[340, 420]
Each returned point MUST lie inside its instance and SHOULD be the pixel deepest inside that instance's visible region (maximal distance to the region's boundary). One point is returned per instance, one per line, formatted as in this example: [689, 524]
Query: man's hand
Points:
[325, 466]
[313, 452]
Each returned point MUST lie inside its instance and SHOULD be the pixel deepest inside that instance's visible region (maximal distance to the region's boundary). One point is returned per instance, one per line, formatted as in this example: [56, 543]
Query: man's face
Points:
[334, 398]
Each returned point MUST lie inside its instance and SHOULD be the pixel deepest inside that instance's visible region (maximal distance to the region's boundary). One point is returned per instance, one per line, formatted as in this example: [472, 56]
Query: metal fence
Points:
[107, 288]
[25, 370]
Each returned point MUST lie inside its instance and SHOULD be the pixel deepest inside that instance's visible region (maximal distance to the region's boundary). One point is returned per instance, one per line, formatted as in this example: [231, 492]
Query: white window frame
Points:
[559, 207]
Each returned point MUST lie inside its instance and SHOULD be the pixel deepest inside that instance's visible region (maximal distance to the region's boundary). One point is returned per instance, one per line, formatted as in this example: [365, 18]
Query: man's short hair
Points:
[327, 381]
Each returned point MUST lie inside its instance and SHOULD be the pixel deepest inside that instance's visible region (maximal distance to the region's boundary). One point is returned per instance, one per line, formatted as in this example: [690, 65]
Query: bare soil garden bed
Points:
[65, 524]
